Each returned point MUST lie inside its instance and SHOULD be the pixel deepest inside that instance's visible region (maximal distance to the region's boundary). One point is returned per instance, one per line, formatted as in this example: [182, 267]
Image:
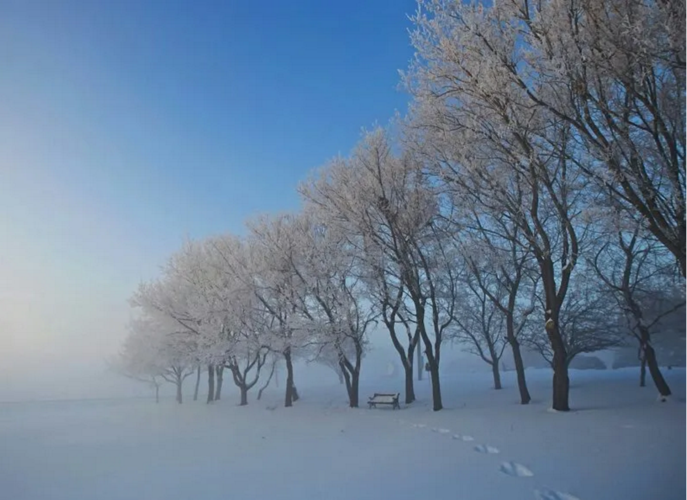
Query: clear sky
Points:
[126, 125]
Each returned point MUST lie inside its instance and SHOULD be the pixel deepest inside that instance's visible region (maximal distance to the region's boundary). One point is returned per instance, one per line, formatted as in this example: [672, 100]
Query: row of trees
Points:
[534, 194]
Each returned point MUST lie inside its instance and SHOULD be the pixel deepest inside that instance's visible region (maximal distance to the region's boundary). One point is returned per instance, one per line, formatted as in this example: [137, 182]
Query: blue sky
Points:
[126, 125]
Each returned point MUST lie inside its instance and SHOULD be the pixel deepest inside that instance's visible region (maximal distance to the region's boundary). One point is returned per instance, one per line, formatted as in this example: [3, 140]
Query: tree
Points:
[501, 270]
[273, 369]
[327, 296]
[160, 350]
[328, 356]
[481, 326]
[588, 323]
[636, 272]
[197, 386]
[347, 193]
[194, 296]
[272, 283]
[391, 214]
[474, 124]
[242, 342]
[139, 360]
[611, 71]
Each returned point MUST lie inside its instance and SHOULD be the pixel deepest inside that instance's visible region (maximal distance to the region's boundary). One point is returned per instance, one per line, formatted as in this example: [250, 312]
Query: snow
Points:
[617, 443]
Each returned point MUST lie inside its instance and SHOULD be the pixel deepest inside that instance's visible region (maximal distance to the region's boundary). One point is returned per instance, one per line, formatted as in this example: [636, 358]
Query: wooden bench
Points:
[384, 399]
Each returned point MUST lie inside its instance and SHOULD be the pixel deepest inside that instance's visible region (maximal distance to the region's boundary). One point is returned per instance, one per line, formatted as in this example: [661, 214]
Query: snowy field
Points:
[618, 443]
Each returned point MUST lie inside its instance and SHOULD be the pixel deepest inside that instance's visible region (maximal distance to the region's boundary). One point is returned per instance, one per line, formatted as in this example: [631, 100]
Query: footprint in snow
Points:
[421, 426]
[440, 431]
[553, 495]
[463, 438]
[518, 470]
[483, 448]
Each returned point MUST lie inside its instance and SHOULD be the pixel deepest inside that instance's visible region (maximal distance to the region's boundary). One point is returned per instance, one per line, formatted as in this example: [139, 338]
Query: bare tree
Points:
[634, 269]
[500, 271]
[197, 386]
[391, 213]
[139, 360]
[474, 125]
[611, 71]
[588, 323]
[326, 292]
[347, 193]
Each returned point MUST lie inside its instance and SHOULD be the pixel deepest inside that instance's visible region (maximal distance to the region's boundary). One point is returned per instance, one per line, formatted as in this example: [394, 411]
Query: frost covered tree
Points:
[500, 271]
[347, 192]
[635, 269]
[327, 355]
[480, 324]
[327, 295]
[157, 348]
[588, 319]
[196, 297]
[273, 282]
[139, 358]
[392, 214]
[477, 127]
[612, 72]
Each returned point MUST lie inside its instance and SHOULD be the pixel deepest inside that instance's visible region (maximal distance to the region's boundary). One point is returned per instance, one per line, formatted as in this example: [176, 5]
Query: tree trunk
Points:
[410, 387]
[179, 396]
[351, 379]
[244, 395]
[420, 364]
[520, 370]
[355, 384]
[561, 383]
[220, 379]
[642, 369]
[655, 371]
[436, 387]
[288, 398]
[195, 392]
[341, 377]
[211, 383]
[406, 359]
[269, 379]
[496, 374]
[432, 353]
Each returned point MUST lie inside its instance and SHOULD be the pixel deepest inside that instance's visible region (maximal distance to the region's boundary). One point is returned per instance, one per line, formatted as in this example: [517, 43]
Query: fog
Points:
[70, 261]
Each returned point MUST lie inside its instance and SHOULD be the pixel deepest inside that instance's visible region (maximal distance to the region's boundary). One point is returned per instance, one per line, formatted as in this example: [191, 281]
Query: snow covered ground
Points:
[618, 443]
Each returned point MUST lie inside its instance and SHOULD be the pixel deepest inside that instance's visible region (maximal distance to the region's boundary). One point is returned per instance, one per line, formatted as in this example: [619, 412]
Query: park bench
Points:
[384, 399]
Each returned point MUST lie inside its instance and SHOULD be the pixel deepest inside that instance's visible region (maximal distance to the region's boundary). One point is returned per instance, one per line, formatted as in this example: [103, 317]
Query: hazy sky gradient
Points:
[126, 125]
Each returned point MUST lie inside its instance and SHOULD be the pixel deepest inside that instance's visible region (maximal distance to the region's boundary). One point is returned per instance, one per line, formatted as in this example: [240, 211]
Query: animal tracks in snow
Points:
[464, 438]
[547, 494]
[513, 469]
[518, 470]
[483, 448]
[441, 431]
